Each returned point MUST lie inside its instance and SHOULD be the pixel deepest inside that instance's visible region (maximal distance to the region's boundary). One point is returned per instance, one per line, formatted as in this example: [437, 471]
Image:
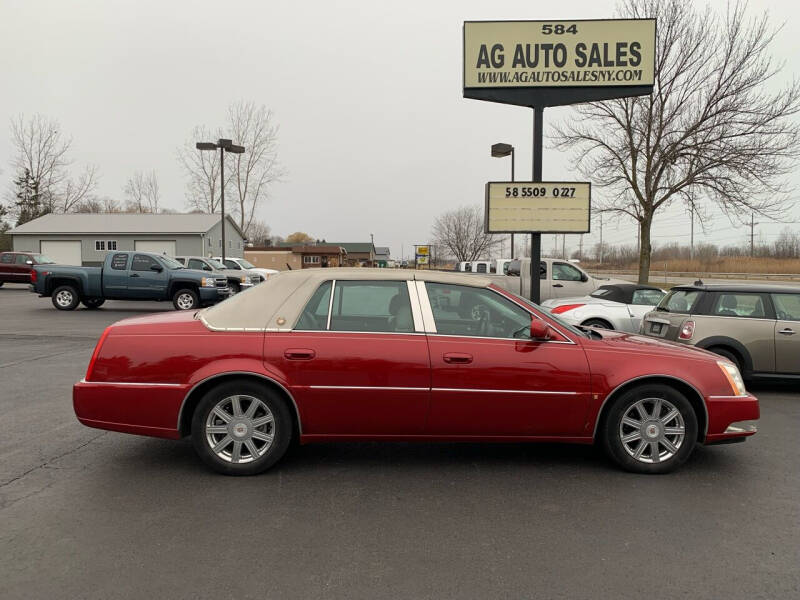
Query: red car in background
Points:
[16, 267]
[356, 354]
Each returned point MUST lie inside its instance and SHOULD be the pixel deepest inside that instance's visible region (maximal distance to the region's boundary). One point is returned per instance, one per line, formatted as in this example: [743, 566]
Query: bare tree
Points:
[142, 193]
[42, 152]
[461, 233]
[202, 170]
[259, 233]
[257, 168]
[709, 127]
[105, 204]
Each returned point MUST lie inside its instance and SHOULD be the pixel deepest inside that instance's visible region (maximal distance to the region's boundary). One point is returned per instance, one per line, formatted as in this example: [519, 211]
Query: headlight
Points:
[244, 278]
[734, 377]
[208, 282]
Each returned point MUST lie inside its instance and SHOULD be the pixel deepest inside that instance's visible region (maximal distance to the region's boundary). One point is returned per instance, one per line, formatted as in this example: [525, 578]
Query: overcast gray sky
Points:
[374, 132]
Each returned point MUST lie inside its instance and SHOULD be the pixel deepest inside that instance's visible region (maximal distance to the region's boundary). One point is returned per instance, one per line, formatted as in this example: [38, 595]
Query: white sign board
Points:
[538, 207]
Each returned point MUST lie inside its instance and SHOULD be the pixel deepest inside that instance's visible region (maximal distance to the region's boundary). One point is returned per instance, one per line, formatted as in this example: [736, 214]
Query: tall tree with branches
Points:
[711, 128]
[202, 171]
[461, 233]
[142, 193]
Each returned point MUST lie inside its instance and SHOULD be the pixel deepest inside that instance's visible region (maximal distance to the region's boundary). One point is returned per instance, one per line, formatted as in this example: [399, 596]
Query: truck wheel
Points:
[235, 287]
[92, 303]
[65, 297]
[185, 299]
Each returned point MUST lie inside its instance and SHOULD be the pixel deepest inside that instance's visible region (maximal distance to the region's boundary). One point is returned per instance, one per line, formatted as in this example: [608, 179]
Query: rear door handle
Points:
[458, 358]
[557, 285]
[787, 331]
[299, 353]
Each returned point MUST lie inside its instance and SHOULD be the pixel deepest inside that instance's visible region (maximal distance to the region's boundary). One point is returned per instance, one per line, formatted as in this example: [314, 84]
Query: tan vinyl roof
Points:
[278, 302]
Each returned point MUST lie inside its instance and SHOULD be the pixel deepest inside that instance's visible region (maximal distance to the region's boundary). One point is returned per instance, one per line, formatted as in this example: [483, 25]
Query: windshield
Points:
[215, 263]
[170, 263]
[679, 301]
[245, 264]
[555, 318]
[43, 259]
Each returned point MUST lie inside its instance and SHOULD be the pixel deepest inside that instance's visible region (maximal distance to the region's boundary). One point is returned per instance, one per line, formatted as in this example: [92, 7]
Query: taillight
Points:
[687, 330]
[96, 353]
[565, 307]
[33, 275]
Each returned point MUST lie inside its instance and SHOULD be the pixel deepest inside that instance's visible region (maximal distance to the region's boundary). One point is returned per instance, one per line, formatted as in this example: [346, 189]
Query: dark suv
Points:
[16, 267]
[757, 327]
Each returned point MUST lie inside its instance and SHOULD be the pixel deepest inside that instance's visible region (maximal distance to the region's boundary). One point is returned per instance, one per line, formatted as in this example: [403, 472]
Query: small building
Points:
[383, 257]
[297, 257]
[359, 254]
[85, 239]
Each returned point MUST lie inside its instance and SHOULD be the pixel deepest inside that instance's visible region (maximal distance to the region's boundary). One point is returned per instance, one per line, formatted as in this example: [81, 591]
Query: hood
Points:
[640, 344]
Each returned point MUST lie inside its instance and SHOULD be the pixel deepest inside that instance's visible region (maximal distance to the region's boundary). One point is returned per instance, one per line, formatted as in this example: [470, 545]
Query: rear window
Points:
[679, 301]
[647, 297]
[6, 259]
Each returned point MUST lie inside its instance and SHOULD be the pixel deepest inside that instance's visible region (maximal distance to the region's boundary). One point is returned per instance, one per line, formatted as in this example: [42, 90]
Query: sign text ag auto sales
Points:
[617, 52]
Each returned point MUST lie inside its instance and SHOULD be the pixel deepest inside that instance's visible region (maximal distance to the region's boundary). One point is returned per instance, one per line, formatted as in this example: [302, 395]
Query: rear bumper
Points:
[140, 408]
[731, 417]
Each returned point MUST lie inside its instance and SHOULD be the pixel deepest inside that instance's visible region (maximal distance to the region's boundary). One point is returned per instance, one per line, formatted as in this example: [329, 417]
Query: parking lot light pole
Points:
[224, 146]
[500, 151]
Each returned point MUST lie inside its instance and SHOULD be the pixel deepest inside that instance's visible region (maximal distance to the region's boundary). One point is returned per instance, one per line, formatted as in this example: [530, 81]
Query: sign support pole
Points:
[536, 238]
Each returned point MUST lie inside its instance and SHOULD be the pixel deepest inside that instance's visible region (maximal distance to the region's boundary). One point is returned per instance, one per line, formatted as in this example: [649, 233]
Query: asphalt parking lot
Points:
[92, 514]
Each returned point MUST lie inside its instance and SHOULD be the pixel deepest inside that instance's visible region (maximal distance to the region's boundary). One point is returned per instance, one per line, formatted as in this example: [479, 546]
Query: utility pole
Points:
[601, 238]
[580, 248]
[564, 246]
[752, 234]
[691, 235]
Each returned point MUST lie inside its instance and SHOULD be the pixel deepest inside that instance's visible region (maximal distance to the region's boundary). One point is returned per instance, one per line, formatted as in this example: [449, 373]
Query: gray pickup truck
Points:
[128, 276]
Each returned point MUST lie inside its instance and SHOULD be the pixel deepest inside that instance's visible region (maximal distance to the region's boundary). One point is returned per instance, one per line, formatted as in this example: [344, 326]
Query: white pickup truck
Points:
[558, 278]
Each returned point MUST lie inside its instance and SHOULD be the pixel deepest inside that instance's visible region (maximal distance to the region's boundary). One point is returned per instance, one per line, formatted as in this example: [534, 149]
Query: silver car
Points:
[237, 280]
[619, 306]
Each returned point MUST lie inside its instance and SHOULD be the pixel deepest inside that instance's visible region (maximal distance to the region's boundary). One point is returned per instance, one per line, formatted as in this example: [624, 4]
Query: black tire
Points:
[65, 297]
[185, 299]
[93, 303]
[599, 323]
[725, 353]
[611, 430]
[280, 428]
[1, 283]
[235, 287]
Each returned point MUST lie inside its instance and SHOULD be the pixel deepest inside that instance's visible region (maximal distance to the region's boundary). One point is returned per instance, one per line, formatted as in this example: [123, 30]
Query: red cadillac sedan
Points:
[354, 354]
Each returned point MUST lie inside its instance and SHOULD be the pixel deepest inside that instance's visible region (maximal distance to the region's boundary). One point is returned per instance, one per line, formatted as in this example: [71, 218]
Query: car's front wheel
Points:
[185, 299]
[65, 297]
[241, 428]
[650, 429]
[93, 303]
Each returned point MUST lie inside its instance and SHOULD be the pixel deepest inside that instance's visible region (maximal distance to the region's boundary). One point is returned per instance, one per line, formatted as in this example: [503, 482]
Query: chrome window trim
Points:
[330, 304]
[477, 337]
[650, 376]
[253, 373]
[362, 332]
[429, 323]
[695, 316]
[132, 383]
[416, 309]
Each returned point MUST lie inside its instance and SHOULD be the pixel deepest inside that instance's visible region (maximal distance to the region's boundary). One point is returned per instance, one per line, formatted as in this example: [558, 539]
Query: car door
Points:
[787, 333]
[21, 270]
[357, 361]
[568, 280]
[488, 378]
[144, 282]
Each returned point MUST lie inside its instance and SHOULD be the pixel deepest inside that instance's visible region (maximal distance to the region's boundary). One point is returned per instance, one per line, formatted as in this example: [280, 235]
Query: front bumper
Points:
[731, 417]
[214, 294]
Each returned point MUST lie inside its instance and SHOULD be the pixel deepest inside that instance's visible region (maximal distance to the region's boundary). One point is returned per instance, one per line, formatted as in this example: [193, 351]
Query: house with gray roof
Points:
[85, 239]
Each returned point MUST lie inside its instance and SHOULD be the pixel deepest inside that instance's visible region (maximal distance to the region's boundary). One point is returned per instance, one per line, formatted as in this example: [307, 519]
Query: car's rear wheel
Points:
[599, 323]
[185, 299]
[65, 297]
[241, 428]
[93, 303]
[650, 429]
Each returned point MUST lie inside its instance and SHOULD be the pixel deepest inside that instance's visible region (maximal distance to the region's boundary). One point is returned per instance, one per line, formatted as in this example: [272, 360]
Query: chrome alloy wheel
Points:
[185, 301]
[652, 430]
[240, 429]
[64, 298]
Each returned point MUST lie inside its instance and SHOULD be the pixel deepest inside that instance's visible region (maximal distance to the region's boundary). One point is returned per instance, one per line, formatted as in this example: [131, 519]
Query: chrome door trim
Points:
[427, 312]
[330, 304]
[367, 387]
[253, 373]
[651, 376]
[484, 391]
[132, 383]
[416, 309]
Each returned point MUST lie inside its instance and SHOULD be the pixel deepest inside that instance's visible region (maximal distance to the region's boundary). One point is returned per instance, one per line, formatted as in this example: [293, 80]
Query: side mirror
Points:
[157, 268]
[539, 329]
[206, 268]
[584, 277]
[28, 262]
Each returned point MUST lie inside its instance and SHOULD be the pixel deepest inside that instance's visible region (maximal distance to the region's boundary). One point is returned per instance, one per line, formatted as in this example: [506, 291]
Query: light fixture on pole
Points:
[501, 150]
[224, 146]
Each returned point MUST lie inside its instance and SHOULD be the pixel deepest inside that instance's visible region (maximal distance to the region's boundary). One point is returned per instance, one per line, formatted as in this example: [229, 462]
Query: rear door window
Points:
[119, 262]
[374, 306]
[7, 259]
[787, 306]
[739, 305]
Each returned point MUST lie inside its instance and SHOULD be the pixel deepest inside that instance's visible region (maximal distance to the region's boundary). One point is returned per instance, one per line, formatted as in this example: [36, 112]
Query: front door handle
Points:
[299, 353]
[134, 275]
[457, 358]
[557, 285]
[787, 331]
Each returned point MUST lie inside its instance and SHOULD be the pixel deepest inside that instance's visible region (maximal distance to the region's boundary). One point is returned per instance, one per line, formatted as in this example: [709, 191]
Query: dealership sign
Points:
[544, 207]
[549, 63]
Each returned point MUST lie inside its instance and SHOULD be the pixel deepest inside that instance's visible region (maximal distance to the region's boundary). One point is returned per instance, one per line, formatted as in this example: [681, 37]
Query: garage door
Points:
[63, 252]
[158, 246]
